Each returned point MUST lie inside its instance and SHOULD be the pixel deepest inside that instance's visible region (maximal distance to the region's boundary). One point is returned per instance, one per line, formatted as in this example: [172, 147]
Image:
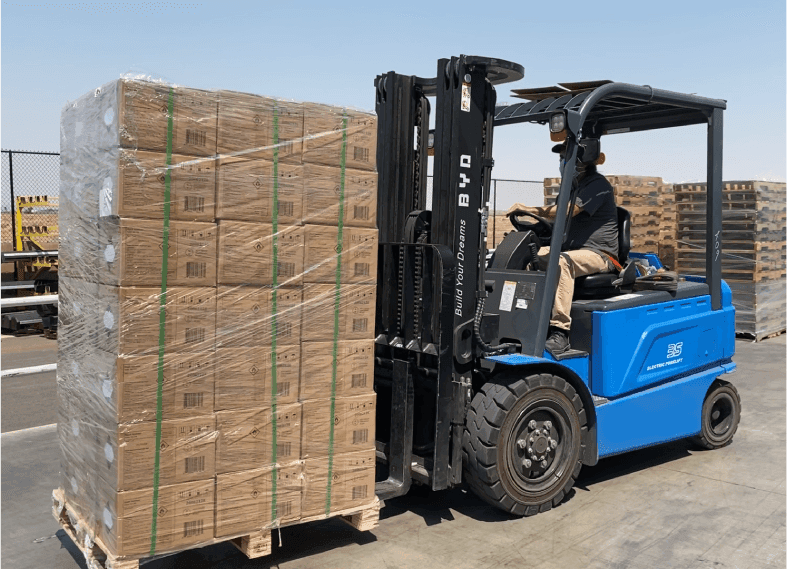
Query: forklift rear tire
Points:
[523, 442]
[721, 413]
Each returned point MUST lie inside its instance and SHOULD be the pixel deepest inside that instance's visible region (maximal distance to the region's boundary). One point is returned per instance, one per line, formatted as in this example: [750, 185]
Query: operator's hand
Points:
[535, 210]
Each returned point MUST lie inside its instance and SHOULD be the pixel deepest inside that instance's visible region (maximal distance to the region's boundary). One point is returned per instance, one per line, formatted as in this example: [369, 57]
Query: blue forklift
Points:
[466, 391]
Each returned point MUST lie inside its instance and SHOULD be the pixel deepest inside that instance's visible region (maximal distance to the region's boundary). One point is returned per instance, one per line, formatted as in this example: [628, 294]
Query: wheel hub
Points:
[536, 446]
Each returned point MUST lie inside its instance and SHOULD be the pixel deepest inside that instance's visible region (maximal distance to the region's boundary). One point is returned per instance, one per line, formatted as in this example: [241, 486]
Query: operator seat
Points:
[600, 285]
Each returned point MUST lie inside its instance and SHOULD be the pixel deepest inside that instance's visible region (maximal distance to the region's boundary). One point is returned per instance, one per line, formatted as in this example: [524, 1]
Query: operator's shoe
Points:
[557, 343]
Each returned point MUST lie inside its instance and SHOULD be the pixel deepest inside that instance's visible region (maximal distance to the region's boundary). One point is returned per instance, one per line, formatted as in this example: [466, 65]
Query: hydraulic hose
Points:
[488, 350]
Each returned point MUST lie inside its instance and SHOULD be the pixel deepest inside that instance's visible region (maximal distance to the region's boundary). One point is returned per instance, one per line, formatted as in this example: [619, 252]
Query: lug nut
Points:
[548, 425]
[553, 443]
[532, 424]
[537, 433]
[526, 463]
[543, 464]
[530, 450]
[521, 443]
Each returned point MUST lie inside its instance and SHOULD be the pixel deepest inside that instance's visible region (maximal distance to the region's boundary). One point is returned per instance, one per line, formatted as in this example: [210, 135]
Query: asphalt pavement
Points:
[670, 506]
[27, 400]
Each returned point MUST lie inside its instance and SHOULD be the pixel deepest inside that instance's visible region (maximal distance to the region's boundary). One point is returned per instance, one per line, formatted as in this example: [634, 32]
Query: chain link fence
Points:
[29, 191]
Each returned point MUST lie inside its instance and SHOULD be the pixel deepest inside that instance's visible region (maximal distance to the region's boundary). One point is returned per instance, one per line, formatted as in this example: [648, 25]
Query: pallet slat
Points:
[255, 545]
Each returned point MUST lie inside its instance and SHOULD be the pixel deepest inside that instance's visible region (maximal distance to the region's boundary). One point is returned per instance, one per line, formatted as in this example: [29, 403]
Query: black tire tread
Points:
[703, 441]
[487, 412]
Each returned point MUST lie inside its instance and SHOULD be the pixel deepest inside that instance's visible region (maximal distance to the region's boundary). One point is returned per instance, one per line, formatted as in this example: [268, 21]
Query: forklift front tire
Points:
[523, 443]
[721, 413]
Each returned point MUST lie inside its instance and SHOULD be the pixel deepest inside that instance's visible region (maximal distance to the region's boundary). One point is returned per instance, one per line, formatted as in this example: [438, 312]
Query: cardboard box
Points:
[246, 377]
[141, 183]
[125, 454]
[246, 437]
[245, 500]
[131, 252]
[352, 483]
[253, 126]
[354, 368]
[357, 304]
[129, 320]
[324, 132]
[78, 317]
[246, 254]
[246, 188]
[353, 429]
[246, 319]
[78, 251]
[134, 114]
[185, 518]
[358, 254]
[124, 389]
[323, 186]
[187, 388]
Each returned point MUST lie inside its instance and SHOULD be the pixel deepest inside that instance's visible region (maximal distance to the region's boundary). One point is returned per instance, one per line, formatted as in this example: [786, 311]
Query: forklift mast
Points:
[431, 265]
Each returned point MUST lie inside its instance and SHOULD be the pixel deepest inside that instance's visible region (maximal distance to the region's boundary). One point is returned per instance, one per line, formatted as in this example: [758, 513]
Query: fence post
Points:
[13, 207]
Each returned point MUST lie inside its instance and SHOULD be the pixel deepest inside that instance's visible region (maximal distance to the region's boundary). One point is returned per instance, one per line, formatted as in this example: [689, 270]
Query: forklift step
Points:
[599, 400]
[570, 354]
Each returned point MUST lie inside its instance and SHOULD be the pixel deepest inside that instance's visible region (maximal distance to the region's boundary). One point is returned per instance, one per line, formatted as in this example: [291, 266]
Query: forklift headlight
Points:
[557, 122]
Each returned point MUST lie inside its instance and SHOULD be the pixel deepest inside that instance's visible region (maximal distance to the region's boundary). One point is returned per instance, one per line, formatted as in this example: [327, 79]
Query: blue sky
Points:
[331, 52]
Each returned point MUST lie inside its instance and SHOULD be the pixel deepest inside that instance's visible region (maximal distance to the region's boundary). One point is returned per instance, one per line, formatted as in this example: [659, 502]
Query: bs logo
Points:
[674, 350]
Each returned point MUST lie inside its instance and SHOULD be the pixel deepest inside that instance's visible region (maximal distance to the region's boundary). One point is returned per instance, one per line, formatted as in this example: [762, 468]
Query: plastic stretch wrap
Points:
[217, 299]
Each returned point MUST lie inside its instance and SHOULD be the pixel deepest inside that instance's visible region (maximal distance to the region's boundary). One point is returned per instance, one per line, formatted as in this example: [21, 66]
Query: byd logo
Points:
[464, 162]
[674, 350]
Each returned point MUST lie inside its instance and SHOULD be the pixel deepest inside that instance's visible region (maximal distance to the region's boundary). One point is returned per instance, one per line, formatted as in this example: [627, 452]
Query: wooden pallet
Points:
[254, 545]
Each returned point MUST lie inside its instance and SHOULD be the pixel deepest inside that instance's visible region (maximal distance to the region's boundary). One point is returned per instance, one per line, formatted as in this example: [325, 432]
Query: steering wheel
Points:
[543, 224]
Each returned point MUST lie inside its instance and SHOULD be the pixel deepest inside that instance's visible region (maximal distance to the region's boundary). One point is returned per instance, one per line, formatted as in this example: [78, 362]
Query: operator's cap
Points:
[589, 151]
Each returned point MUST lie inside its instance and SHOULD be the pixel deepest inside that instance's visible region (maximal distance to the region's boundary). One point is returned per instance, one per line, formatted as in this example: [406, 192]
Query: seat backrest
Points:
[624, 235]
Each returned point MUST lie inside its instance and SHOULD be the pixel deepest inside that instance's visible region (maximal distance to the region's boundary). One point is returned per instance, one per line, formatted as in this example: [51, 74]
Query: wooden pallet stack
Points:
[225, 388]
[650, 202]
[753, 248]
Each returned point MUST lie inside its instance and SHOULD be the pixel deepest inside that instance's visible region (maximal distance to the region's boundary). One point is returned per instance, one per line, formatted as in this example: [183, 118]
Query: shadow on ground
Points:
[301, 541]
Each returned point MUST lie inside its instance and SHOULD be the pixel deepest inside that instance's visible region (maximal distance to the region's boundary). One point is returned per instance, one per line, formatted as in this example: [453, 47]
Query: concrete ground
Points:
[669, 506]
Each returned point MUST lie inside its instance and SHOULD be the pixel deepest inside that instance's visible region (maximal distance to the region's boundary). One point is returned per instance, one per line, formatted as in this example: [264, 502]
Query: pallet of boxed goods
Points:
[752, 249]
[651, 203]
[216, 343]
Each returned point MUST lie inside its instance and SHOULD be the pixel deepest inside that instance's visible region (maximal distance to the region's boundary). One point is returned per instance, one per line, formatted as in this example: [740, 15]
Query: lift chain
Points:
[417, 157]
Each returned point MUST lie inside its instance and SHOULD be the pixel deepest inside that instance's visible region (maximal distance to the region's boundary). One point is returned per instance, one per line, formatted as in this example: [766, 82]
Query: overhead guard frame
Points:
[616, 108]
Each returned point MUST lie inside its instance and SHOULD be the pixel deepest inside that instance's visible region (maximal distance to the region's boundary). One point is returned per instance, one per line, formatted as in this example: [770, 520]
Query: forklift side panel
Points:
[661, 341]
[665, 413]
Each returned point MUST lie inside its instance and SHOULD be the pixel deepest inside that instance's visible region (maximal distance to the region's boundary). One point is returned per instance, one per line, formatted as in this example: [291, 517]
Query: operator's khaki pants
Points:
[573, 264]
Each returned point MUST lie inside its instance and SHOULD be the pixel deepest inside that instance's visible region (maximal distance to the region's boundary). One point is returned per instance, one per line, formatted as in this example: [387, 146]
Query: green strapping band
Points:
[162, 320]
[274, 326]
[336, 303]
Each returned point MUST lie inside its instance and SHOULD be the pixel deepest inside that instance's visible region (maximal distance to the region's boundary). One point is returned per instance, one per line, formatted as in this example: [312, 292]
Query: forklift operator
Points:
[591, 246]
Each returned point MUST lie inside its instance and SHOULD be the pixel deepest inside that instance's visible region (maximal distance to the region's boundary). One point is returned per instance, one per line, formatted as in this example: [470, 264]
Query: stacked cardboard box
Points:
[651, 204]
[752, 245]
[225, 388]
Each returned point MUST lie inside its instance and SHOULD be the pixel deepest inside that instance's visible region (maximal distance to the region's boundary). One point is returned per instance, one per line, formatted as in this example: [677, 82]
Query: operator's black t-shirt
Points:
[596, 227]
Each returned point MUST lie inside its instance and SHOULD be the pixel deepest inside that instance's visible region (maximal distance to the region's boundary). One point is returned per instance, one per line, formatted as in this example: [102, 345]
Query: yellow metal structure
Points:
[32, 233]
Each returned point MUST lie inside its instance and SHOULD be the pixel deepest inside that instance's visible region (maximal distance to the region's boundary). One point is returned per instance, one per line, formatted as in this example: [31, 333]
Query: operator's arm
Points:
[547, 212]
